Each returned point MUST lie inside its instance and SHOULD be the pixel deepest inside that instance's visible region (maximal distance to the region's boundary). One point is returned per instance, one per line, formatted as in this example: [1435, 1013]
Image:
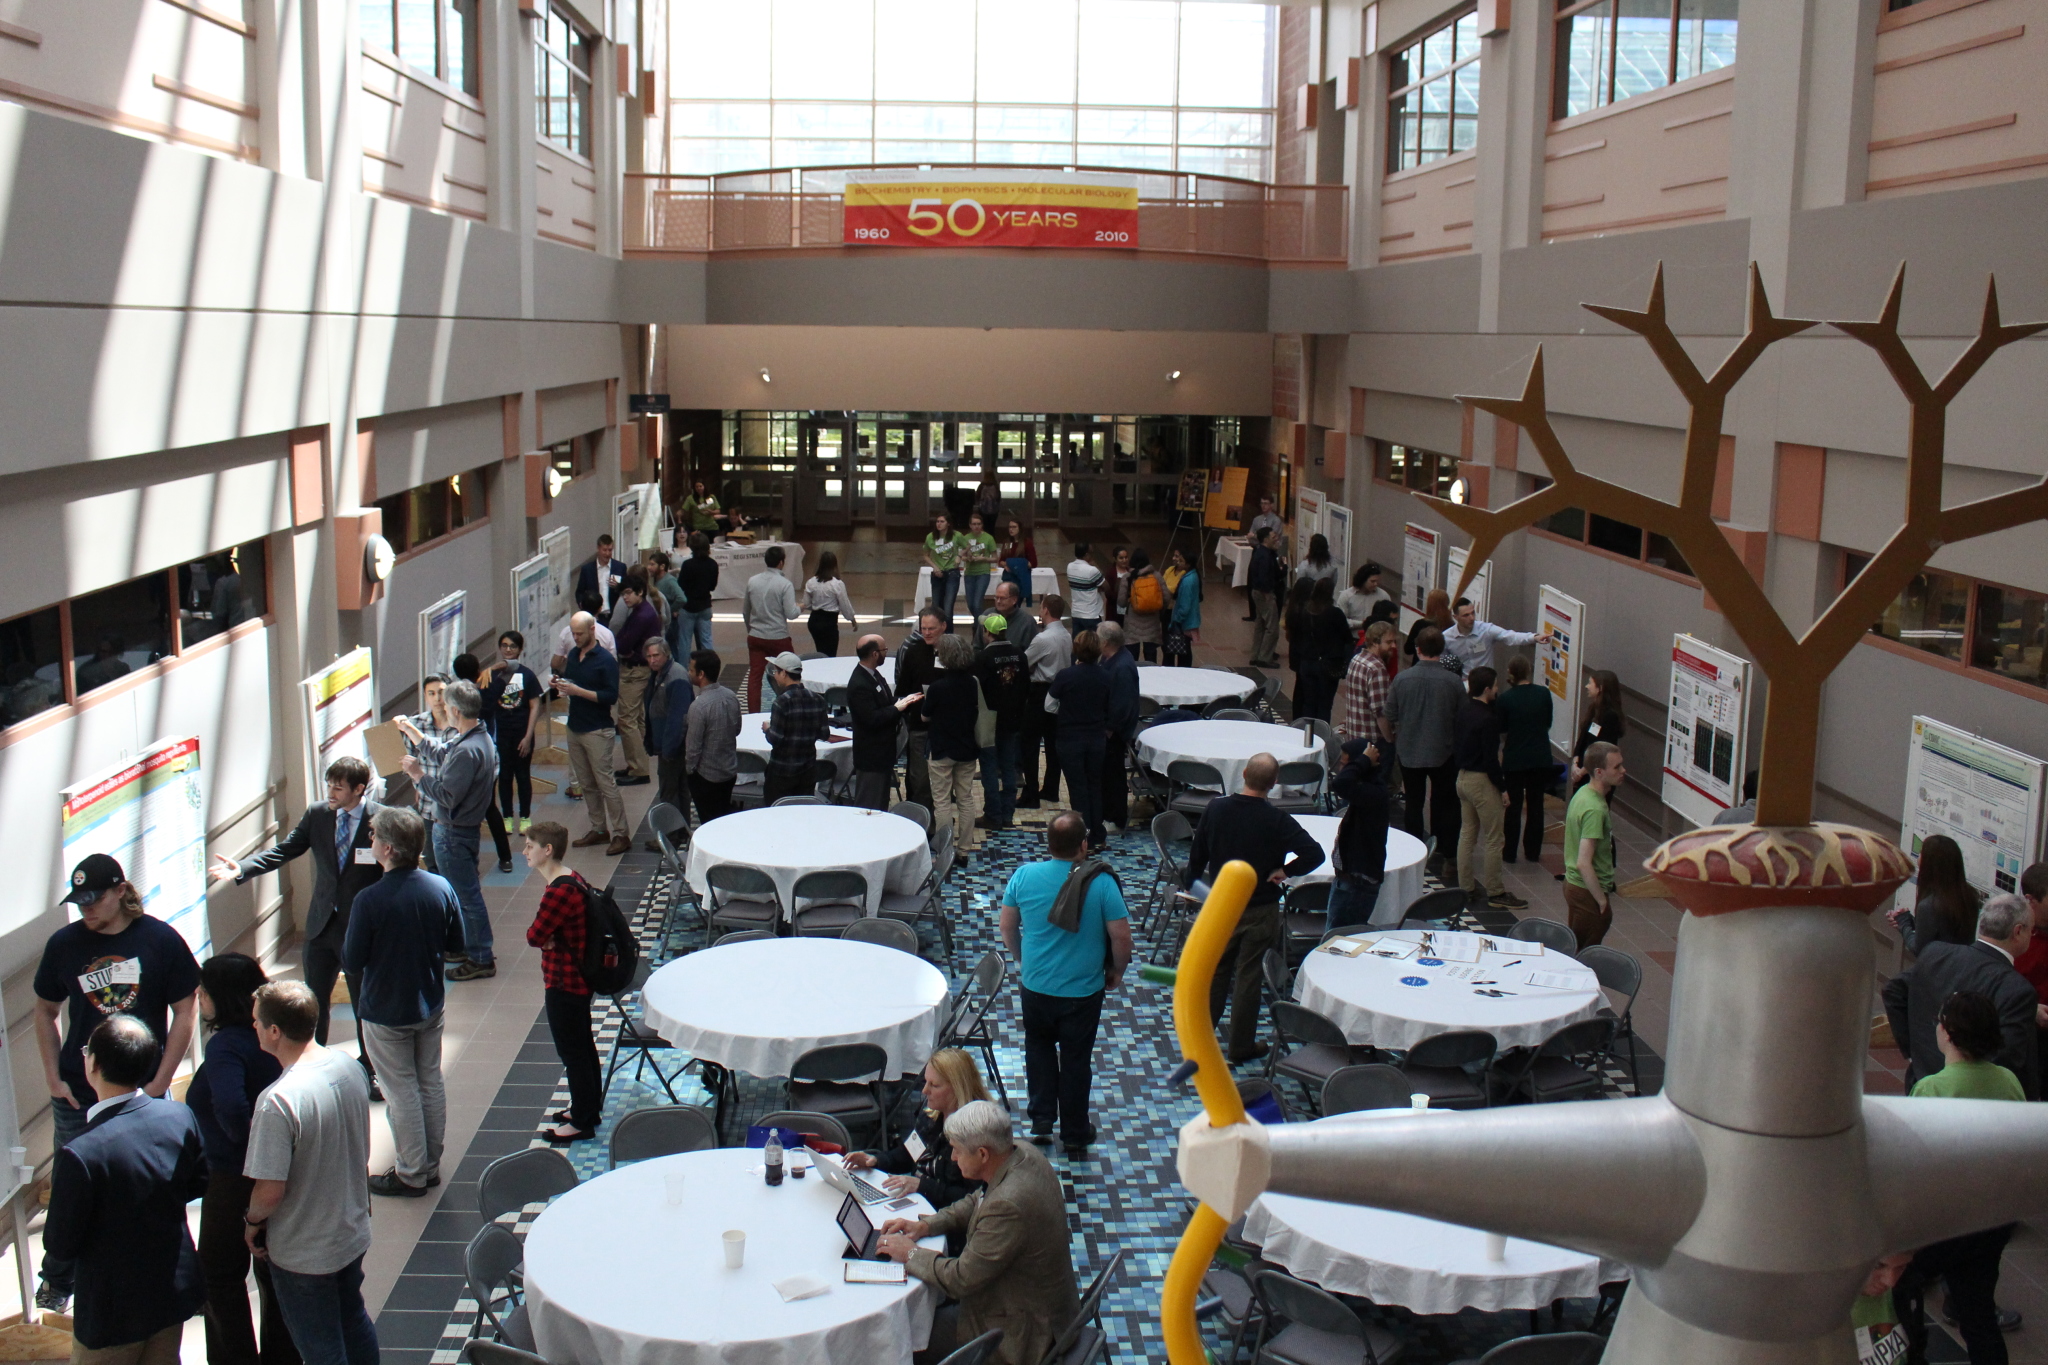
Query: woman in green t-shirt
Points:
[978, 561]
[942, 551]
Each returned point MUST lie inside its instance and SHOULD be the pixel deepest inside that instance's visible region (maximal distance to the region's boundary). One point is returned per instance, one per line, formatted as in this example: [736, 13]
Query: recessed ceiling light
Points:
[765, 379]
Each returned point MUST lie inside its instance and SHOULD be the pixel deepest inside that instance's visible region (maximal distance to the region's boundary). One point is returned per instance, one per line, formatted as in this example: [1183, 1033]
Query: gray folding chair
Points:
[1316, 1049]
[1373, 1086]
[743, 936]
[978, 1351]
[803, 799]
[889, 933]
[1304, 918]
[1299, 787]
[751, 784]
[1194, 785]
[1551, 1348]
[741, 897]
[1084, 1340]
[533, 1176]
[844, 1082]
[671, 837]
[1313, 1316]
[969, 1027]
[1235, 712]
[810, 1124]
[925, 903]
[912, 810]
[491, 1264]
[646, 1133]
[1566, 1066]
[639, 1041]
[1454, 1069]
[1169, 873]
[823, 903]
[1557, 937]
[496, 1353]
[1622, 974]
[1433, 909]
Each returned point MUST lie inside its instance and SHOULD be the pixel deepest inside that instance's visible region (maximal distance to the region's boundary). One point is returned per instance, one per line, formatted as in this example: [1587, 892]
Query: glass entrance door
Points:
[898, 452]
[1084, 484]
[824, 470]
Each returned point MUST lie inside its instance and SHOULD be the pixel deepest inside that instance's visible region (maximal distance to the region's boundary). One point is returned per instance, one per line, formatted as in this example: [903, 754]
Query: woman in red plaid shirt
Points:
[558, 932]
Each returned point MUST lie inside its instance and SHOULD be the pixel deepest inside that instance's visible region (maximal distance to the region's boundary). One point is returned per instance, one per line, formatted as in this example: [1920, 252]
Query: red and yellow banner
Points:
[895, 209]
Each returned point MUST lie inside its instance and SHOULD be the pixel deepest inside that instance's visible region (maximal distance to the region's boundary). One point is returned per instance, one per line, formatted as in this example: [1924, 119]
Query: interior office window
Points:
[1610, 50]
[219, 592]
[31, 665]
[1434, 108]
[1933, 613]
[2011, 634]
[573, 458]
[561, 78]
[117, 630]
[1615, 537]
[1426, 471]
[438, 37]
[432, 510]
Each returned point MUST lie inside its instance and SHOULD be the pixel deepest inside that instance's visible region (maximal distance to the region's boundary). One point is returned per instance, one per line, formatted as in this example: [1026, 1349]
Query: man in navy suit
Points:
[602, 575]
[117, 1207]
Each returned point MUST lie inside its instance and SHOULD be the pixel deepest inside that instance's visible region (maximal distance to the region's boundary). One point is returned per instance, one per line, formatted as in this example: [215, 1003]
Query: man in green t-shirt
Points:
[1589, 845]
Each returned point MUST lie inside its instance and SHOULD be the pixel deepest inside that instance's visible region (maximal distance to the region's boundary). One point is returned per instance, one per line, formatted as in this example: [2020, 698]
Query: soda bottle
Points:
[773, 1154]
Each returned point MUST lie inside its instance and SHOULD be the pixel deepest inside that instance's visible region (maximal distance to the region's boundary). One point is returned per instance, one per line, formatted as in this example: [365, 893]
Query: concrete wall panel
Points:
[413, 448]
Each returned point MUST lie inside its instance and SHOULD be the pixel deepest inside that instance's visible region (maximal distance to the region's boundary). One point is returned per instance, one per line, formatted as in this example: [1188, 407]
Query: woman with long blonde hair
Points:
[951, 1079]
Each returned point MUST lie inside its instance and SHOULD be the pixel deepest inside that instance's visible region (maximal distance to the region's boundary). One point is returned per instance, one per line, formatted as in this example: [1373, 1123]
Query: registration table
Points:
[1043, 581]
[788, 841]
[1227, 744]
[1235, 555]
[758, 1006]
[1401, 1260]
[1408, 985]
[1191, 686]
[738, 563]
[1402, 884]
[754, 740]
[822, 675]
[617, 1275]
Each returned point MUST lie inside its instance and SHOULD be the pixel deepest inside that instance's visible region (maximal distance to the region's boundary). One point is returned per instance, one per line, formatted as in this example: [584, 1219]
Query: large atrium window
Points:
[1148, 84]
[438, 37]
[1610, 50]
[561, 77]
[1434, 108]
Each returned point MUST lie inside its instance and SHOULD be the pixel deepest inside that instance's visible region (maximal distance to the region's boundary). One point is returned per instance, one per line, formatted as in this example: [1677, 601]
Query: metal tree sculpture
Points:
[1751, 1196]
[1797, 667]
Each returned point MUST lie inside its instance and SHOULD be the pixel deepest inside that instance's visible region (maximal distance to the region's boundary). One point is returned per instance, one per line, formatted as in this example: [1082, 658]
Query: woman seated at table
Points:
[951, 1079]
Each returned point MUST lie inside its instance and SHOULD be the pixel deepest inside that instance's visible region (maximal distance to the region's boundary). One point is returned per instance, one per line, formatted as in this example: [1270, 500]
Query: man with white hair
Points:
[461, 791]
[1013, 1270]
[1913, 999]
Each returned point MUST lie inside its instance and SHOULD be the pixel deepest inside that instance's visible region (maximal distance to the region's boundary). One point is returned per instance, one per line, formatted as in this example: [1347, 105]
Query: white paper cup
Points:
[735, 1249]
[673, 1184]
[1418, 1100]
[1496, 1247]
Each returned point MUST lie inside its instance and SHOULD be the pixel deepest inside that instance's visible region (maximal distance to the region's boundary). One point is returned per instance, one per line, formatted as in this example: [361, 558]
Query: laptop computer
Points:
[847, 1182]
[862, 1236]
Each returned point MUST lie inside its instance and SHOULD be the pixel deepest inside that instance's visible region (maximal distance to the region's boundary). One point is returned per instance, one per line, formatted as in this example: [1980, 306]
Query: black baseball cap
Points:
[95, 875]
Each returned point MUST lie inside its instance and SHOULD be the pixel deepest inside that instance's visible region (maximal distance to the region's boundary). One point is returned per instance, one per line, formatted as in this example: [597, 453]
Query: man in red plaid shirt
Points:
[1366, 682]
[558, 931]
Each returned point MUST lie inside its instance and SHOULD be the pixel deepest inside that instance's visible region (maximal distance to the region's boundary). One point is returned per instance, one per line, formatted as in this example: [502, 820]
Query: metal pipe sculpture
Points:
[1753, 1195]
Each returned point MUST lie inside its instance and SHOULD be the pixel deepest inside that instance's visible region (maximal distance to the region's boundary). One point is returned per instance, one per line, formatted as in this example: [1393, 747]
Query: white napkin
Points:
[801, 1287]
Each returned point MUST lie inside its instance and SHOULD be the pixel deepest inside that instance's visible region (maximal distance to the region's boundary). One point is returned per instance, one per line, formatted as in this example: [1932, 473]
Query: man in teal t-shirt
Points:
[1064, 974]
[1589, 846]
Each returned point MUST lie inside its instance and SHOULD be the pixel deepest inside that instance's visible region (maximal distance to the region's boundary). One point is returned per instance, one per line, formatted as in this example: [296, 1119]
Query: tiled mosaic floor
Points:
[1125, 1195]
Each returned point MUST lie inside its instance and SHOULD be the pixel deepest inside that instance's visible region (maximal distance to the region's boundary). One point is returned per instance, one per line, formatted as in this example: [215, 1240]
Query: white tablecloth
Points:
[1402, 886]
[738, 563]
[754, 740]
[1042, 581]
[615, 1275]
[822, 675]
[1415, 1263]
[1236, 556]
[1396, 1004]
[1229, 744]
[1191, 686]
[756, 1007]
[788, 841]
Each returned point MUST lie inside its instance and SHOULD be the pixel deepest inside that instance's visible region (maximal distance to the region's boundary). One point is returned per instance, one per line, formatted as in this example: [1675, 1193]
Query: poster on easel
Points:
[1223, 509]
[1308, 520]
[1481, 591]
[1706, 733]
[636, 522]
[533, 606]
[1561, 661]
[149, 815]
[1418, 571]
[1337, 530]
[443, 636]
[341, 706]
[1986, 797]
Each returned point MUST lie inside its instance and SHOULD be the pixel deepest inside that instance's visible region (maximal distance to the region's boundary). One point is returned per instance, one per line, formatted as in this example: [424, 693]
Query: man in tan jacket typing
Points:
[1013, 1271]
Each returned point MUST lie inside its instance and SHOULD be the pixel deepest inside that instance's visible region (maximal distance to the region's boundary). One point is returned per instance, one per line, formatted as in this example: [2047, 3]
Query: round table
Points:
[1401, 886]
[822, 675]
[757, 1007]
[788, 841]
[616, 1275]
[1190, 686]
[754, 740]
[1227, 744]
[1396, 1003]
[1399, 1259]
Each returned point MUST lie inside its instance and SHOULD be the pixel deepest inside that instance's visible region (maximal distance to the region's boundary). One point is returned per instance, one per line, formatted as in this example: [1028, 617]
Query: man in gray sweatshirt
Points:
[461, 791]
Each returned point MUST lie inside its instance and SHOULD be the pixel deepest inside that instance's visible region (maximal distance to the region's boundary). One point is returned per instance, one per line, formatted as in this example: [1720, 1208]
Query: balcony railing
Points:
[1199, 215]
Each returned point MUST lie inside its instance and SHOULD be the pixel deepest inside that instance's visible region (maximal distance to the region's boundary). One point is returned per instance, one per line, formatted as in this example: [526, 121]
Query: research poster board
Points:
[1986, 797]
[443, 633]
[533, 612]
[1418, 570]
[341, 706]
[1223, 509]
[1561, 661]
[1706, 734]
[626, 524]
[149, 814]
[1193, 494]
[1308, 521]
[1337, 530]
[1481, 591]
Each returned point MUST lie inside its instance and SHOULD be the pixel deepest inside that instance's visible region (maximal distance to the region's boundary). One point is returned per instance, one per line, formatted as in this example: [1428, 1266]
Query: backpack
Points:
[1146, 593]
[610, 952]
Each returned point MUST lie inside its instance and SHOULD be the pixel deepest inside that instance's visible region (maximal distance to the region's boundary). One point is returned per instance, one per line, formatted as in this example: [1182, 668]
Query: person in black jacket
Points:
[877, 717]
[1122, 670]
[222, 1097]
[1006, 686]
[1361, 853]
[117, 1206]
[917, 663]
[1482, 832]
[1246, 826]
[1944, 903]
[952, 710]
[951, 1079]
[1326, 651]
[1913, 999]
[1079, 701]
[1265, 577]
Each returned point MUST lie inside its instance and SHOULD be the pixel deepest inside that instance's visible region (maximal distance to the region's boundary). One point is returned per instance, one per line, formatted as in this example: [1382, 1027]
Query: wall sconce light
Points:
[557, 481]
[765, 379]
[1173, 376]
[378, 558]
[1458, 491]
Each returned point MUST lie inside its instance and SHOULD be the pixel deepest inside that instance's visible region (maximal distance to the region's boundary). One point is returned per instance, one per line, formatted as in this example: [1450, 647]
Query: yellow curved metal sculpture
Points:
[1228, 896]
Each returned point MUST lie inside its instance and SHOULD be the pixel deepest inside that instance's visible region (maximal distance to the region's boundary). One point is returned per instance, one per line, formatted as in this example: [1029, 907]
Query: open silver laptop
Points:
[847, 1182]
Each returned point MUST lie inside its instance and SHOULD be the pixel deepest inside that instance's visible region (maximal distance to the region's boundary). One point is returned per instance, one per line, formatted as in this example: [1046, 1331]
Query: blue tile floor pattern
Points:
[1124, 1195]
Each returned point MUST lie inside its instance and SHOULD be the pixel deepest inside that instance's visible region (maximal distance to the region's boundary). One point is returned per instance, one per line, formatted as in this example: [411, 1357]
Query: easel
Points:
[29, 1336]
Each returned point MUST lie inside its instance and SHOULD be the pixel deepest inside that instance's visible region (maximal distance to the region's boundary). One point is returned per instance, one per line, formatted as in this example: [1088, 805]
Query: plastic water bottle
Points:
[773, 1153]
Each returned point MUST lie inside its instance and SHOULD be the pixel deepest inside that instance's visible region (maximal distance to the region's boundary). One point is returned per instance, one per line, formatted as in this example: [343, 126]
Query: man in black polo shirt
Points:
[1247, 827]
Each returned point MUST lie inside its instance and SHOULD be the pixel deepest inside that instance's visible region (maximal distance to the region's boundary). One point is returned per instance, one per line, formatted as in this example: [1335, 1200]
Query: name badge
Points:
[365, 857]
[914, 1145]
[126, 972]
